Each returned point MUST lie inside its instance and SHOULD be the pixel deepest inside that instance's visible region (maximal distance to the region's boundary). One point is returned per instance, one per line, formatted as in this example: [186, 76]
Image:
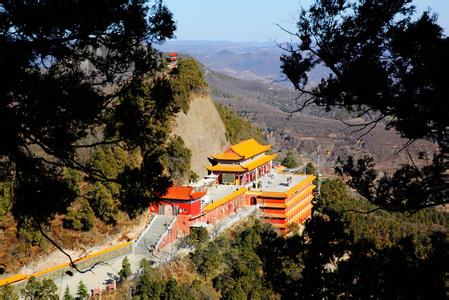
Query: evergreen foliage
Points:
[208, 259]
[193, 176]
[8, 292]
[5, 197]
[342, 252]
[389, 65]
[289, 161]
[233, 266]
[57, 92]
[238, 128]
[125, 271]
[82, 291]
[80, 216]
[28, 233]
[178, 160]
[311, 170]
[35, 289]
[151, 286]
[381, 228]
[148, 285]
[103, 203]
[187, 78]
[67, 295]
[74, 179]
[198, 235]
[173, 291]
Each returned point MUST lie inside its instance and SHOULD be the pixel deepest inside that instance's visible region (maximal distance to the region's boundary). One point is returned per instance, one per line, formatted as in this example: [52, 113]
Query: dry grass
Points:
[15, 253]
[180, 269]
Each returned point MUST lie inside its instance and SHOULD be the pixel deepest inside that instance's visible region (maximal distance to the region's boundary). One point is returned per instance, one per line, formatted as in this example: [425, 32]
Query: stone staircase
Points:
[147, 242]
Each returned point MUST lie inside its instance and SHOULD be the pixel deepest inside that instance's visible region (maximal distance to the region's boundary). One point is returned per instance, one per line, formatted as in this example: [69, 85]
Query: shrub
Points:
[198, 235]
[80, 216]
[102, 203]
[238, 128]
[35, 289]
[289, 161]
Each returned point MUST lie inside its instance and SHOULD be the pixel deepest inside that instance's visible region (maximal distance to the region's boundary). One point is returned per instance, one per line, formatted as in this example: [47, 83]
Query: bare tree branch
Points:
[72, 262]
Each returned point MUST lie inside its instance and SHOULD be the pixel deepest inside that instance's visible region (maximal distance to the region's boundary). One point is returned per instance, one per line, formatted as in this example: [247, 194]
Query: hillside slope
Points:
[202, 130]
[313, 130]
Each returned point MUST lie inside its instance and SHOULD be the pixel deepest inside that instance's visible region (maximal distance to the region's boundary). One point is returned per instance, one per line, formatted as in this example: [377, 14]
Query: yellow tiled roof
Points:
[224, 200]
[226, 168]
[258, 162]
[249, 148]
[227, 156]
[242, 168]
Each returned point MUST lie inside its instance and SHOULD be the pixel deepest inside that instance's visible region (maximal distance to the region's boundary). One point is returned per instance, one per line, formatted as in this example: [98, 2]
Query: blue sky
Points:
[253, 20]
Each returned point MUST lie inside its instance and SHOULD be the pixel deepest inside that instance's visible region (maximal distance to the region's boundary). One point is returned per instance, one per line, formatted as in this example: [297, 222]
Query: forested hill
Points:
[99, 211]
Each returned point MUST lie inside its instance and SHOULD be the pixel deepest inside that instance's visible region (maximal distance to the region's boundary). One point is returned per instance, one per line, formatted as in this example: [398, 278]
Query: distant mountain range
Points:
[252, 61]
[313, 131]
[241, 75]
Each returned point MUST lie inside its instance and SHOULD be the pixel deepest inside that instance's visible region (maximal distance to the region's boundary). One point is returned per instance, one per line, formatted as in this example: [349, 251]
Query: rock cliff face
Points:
[202, 131]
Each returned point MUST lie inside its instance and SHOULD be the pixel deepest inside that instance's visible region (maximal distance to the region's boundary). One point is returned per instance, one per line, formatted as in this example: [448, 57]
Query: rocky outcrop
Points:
[202, 131]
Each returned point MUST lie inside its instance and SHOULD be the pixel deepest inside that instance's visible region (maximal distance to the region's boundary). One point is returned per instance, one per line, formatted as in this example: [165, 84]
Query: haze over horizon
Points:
[255, 20]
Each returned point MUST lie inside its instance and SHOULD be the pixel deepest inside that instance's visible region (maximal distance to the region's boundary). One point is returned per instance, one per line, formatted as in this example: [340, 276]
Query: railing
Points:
[82, 263]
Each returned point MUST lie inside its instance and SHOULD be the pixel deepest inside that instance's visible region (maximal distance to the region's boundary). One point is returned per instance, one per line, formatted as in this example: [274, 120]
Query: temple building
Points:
[284, 199]
[179, 200]
[242, 163]
[242, 177]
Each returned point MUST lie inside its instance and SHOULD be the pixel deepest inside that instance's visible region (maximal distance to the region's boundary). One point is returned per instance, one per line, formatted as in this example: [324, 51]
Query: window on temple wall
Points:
[253, 201]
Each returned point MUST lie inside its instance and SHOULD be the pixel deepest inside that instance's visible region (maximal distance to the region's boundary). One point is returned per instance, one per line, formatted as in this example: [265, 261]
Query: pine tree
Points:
[126, 271]
[35, 289]
[82, 293]
[32, 289]
[7, 292]
[49, 289]
[67, 295]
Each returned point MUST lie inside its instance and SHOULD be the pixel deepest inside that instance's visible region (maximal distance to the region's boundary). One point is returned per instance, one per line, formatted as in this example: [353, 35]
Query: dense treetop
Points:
[390, 66]
[86, 98]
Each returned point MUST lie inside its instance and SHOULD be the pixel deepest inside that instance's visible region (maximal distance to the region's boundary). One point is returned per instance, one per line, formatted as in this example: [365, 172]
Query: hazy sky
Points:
[253, 20]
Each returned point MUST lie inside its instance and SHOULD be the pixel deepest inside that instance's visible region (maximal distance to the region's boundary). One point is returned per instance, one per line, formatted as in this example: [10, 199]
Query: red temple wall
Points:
[180, 229]
[219, 213]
